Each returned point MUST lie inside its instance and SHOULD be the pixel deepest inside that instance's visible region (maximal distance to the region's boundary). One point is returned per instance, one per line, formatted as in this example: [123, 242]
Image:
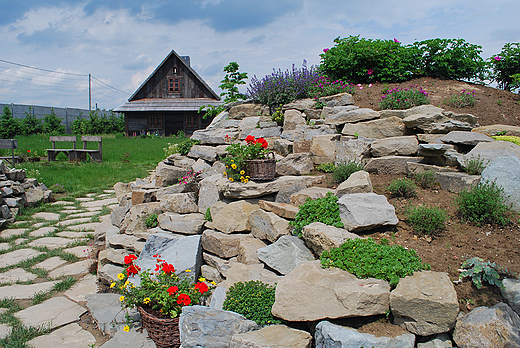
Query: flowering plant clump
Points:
[462, 100]
[161, 290]
[190, 181]
[325, 86]
[399, 98]
[238, 154]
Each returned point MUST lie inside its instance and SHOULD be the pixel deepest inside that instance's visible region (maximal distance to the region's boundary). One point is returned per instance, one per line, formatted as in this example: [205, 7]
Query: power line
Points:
[120, 91]
[32, 67]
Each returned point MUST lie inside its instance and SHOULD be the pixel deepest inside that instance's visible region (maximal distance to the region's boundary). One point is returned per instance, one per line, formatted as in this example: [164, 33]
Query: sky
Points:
[121, 42]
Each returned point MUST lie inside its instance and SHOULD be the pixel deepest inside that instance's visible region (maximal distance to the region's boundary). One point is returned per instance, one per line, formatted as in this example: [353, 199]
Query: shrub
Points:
[252, 299]
[510, 138]
[325, 210]
[366, 259]
[151, 221]
[506, 66]
[427, 220]
[474, 165]
[282, 87]
[99, 123]
[344, 170]
[9, 126]
[402, 188]
[398, 98]
[478, 270]
[425, 179]
[183, 147]
[462, 100]
[483, 203]
[30, 124]
[325, 86]
[52, 124]
[326, 167]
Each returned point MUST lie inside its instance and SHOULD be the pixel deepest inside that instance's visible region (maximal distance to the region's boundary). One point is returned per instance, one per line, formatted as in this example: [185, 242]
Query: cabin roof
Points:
[173, 104]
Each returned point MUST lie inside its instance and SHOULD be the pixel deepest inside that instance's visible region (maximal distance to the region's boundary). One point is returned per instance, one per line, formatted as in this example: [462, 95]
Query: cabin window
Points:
[156, 121]
[174, 85]
[174, 70]
[192, 121]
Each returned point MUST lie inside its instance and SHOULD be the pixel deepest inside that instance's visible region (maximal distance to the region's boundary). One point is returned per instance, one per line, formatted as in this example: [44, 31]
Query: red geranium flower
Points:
[132, 270]
[167, 268]
[172, 290]
[263, 142]
[129, 259]
[201, 287]
[250, 139]
[184, 299]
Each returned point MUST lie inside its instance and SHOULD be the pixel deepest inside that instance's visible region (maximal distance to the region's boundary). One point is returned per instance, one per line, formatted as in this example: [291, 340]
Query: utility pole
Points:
[89, 92]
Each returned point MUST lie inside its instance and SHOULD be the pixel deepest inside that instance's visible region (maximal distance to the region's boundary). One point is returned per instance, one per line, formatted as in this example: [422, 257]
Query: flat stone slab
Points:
[46, 216]
[16, 274]
[73, 235]
[5, 330]
[13, 257]
[71, 335]
[50, 242]
[106, 310]
[91, 226]
[62, 203]
[56, 311]
[79, 251]
[131, 339]
[4, 246]
[72, 210]
[24, 292]
[42, 231]
[76, 268]
[51, 263]
[12, 232]
[74, 221]
[80, 215]
[85, 199]
[99, 203]
[86, 286]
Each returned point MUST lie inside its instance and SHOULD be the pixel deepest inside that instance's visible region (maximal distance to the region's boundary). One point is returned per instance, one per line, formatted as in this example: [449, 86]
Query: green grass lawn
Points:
[124, 159]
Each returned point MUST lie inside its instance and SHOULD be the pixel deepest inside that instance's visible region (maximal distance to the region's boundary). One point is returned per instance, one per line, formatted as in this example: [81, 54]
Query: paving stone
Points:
[71, 335]
[80, 251]
[4, 246]
[99, 203]
[91, 226]
[73, 235]
[72, 210]
[16, 274]
[5, 330]
[131, 339]
[12, 232]
[56, 311]
[24, 292]
[20, 241]
[83, 214]
[80, 267]
[42, 231]
[106, 310]
[62, 203]
[13, 257]
[74, 221]
[50, 263]
[84, 199]
[91, 195]
[50, 242]
[46, 216]
[86, 286]
[109, 191]
[94, 208]
[39, 224]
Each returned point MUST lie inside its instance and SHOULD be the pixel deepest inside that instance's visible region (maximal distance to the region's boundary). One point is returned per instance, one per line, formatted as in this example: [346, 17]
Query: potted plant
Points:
[249, 161]
[159, 298]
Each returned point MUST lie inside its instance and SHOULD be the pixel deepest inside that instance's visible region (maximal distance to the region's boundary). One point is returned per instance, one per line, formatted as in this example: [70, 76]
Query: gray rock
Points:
[293, 118]
[239, 272]
[320, 237]
[208, 192]
[456, 181]
[313, 193]
[166, 175]
[284, 195]
[495, 327]
[329, 335]
[424, 121]
[211, 328]
[295, 164]
[439, 341]
[13, 257]
[117, 215]
[376, 129]
[54, 312]
[390, 164]
[221, 244]
[218, 120]
[505, 172]
[338, 99]
[395, 146]
[433, 150]
[300, 104]
[488, 152]
[107, 312]
[465, 138]
[34, 196]
[210, 273]
[349, 149]
[132, 339]
[182, 223]
[201, 166]
[281, 146]
[357, 182]
[268, 225]
[329, 111]
[207, 153]
[182, 203]
[263, 132]
[495, 128]
[324, 147]
[351, 116]
[273, 336]
[285, 254]
[286, 211]
[108, 273]
[240, 211]
[214, 136]
[25, 292]
[71, 335]
[221, 265]
[511, 293]
[449, 126]
[247, 250]
[365, 211]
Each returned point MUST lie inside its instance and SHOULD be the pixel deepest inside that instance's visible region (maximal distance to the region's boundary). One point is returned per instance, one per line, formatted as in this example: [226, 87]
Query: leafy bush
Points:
[366, 259]
[252, 299]
[326, 167]
[402, 188]
[462, 100]
[344, 170]
[325, 210]
[506, 67]
[474, 165]
[510, 138]
[483, 203]
[31, 124]
[478, 270]
[425, 179]
[361, 60]
[324, 87]
[151, 221]
[283, 87]
[9, 126]
[183, 147]
[427, 220]
[398, 98]
[99, 123]
[52, 124]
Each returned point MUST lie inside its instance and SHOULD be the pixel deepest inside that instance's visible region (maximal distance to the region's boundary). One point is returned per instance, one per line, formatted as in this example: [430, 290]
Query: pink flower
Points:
[325, 50]
[370, 71]
[497, 58]
[360, 87]
[395, 40]
[370, 85]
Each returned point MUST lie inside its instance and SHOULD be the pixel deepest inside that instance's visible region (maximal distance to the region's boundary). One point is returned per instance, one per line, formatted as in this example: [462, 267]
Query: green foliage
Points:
[425, 179]
[483, 203]
[427, 220]
[344, 170]
[207, 215]
[474, 165]
[278, 116]
[151, 221]
[252, 299]
[366, 259]
[402, 187]
[324, 210]
[460, 101]
[99, 123]
[324, 87]
[399, 99]
[9, 126]
[326, 167]
[52, 124]
[182, 147]
[510, 138]
[479, 270]
[506, 67]
[30, 124]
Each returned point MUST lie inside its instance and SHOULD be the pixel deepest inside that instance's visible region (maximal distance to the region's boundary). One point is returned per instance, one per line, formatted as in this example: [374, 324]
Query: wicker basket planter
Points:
[164, 332]
[262, 169]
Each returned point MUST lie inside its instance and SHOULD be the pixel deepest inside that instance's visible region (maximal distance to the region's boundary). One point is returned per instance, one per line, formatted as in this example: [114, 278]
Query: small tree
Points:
[31, 124]
[9, 126]
[52, 124]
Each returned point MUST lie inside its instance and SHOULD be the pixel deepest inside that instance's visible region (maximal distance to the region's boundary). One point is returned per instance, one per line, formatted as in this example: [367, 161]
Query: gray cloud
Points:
[48, 37]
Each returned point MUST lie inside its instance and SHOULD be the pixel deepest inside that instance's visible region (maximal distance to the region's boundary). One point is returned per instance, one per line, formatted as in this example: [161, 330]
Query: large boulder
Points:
[349, 149]
[295, 164]
[293, 118]
[216, 136]
[357, 182]
[273, 336]
[166, 174]
[239, 211]
[182, 223]
[511, 293]
[365, 211]
[182, 203]
[354, 115]
[376, 129]
[221, 244]
[208, 192]
[341, 294]
[207, 153]
[320, 237]
[268, 225]
[323, 148]
[456, 181]
[505, 172]
[390, 164]
[425, 303]
[240, 272]
[488, 152]
[395, 146]
[285, 254]
[465, 138]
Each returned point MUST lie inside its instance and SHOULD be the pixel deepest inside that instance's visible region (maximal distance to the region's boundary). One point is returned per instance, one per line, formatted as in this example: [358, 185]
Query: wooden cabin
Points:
[168, 100]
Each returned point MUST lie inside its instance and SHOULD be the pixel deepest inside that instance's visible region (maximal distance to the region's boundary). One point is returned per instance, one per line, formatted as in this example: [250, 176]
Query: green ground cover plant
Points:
[252, 299]
[402, 187]
[510, 138]
[151, 221]
[425, 179]
[343, 171]
[366, 259]
[400, 99]
[427, 220]
[479, 270]
[325, 210]
[326, 167]
[483, 204]
[464, 99]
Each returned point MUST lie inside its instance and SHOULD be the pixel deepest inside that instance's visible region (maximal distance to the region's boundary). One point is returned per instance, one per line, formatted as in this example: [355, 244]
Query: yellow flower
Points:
[112, 285]
[225, 173]
[122, 298]
[247, 177]
[146, 300]
[188, 270]
[227, 166]
[234, 166]
[232, 161]
[230, 179]
[120, 276]
[126, 328]
[246, 180]
[213, 283]
[242, 178]
[126, 283]
[242, 172]
[202, 279]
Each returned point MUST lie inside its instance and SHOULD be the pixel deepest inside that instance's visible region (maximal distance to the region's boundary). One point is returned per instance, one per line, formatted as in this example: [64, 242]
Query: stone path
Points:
[42, 254]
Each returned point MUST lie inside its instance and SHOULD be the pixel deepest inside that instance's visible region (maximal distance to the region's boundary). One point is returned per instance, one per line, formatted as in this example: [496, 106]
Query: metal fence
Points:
[67, 115]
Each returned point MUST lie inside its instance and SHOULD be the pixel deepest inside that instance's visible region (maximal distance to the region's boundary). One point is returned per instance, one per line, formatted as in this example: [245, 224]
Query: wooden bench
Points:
[95, 155]
[70, 153]
[10, 144]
